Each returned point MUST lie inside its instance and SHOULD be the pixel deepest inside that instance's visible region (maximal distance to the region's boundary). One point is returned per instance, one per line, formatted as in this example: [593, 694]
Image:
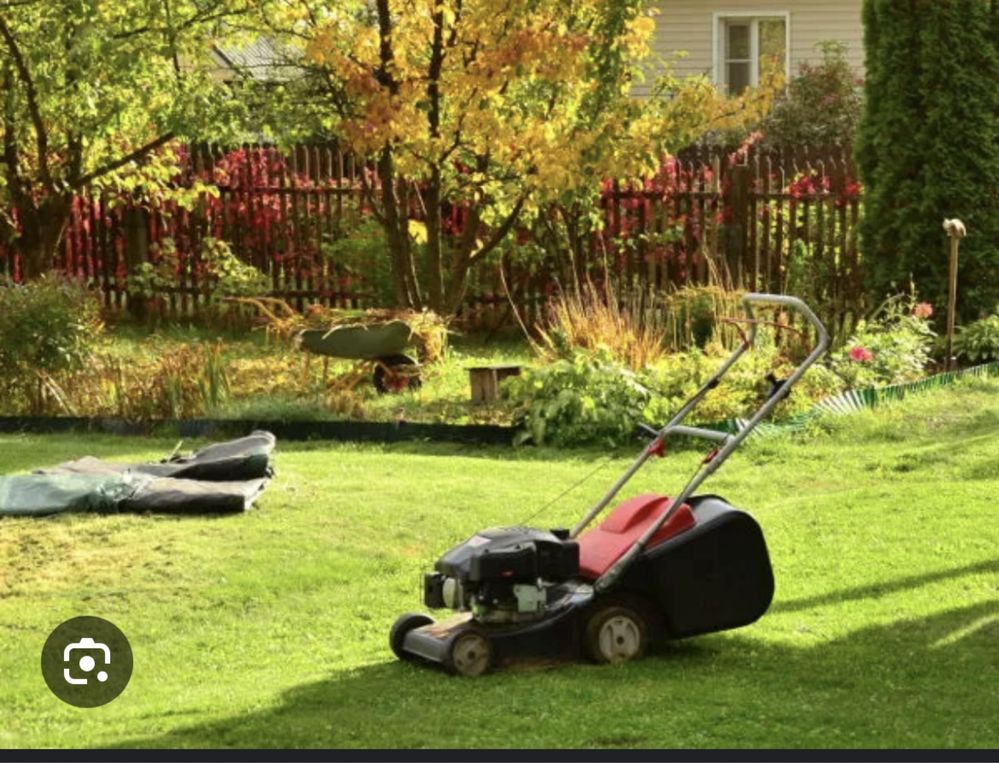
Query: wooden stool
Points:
[485, 381]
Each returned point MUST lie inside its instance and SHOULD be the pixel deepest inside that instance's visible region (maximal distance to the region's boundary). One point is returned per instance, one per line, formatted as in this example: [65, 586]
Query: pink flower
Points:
[923, 310]
[861, 354]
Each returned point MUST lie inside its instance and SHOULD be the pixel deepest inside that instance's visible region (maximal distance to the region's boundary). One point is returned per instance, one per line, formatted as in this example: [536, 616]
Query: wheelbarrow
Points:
[379, 350]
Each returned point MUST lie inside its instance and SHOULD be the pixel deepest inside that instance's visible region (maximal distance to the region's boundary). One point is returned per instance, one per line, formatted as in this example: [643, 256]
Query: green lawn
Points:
[269, 629]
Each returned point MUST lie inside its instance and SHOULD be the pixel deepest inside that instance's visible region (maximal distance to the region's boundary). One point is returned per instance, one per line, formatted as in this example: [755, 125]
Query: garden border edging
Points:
[856, 400]
[351, 431]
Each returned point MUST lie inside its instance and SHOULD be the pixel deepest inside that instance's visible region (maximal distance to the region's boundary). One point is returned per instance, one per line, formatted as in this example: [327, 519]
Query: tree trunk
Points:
[435, 262]
[461, 261]
[395, 222]
[42, 228]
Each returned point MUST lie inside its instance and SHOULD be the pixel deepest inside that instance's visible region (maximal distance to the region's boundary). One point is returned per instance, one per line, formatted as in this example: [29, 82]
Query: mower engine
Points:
[503, 575]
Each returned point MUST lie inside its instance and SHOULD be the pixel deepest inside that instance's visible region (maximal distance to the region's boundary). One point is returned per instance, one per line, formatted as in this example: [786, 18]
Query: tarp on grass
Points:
[223, 478]
[247, 458]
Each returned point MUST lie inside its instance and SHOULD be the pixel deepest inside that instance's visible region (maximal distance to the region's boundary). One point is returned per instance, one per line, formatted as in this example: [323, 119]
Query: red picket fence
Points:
[780, 220]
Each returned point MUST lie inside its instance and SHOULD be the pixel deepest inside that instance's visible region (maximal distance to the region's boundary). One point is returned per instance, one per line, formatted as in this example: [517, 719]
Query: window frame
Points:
[719, 47]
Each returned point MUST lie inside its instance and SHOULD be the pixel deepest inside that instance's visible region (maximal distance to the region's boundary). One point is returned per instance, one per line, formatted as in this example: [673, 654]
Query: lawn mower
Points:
[655, 568]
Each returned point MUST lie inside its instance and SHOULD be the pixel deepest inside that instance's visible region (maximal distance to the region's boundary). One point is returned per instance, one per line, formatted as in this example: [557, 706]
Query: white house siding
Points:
[687, 25]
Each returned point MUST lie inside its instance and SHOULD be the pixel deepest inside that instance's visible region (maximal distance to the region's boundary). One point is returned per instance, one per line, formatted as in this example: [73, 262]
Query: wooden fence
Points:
[779, 220]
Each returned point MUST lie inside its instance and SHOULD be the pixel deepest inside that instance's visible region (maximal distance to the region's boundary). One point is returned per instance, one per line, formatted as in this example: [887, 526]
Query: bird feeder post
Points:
[956, 230]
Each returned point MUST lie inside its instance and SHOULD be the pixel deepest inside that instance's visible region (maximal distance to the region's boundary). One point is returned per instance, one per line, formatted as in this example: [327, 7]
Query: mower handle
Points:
[821, 335]
[708, 434]
[710, 465]
[729, 442]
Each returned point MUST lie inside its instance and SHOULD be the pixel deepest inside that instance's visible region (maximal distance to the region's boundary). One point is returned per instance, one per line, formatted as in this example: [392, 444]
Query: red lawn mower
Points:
[655, 568]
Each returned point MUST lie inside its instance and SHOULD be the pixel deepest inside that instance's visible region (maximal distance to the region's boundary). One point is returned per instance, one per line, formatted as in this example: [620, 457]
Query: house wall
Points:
[686, 25]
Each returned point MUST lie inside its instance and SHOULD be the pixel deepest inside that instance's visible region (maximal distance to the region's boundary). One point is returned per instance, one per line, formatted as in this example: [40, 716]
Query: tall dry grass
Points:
[637, 326]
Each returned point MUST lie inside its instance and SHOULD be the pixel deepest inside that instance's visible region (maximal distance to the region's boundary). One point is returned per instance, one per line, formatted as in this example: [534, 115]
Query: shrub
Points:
[47, 326]
[891, 347]
[742, 390]
[230, 276]
[979, 341]
[590, 398]
[821, 105]
[224, 275]
[360, 257]
[586, 399]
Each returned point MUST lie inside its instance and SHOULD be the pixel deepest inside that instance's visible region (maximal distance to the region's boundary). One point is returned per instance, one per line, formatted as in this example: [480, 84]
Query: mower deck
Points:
[553, 636]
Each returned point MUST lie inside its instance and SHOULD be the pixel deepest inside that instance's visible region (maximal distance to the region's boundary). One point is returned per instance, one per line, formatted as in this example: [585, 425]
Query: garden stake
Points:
[956, 230]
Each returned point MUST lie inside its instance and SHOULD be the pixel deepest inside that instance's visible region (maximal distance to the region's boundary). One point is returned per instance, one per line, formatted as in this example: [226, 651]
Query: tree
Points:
[87, 89]
[929, 146]
[499, 107]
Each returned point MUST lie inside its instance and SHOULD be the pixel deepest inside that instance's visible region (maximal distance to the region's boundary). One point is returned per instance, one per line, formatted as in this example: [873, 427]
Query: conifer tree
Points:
[928, 146]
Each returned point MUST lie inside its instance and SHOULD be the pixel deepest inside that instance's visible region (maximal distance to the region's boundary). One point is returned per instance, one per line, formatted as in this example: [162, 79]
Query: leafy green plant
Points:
[890, 347]
[227, 276]
[150, 280]
[979, 341]
[360, 258]
[586, 399]
[741, 391]
[231, 277]
[47, 326]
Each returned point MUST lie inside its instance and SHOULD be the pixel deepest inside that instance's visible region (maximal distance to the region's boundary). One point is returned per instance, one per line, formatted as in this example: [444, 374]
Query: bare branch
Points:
[10, 153]
[31, 95]
[130, 157]
[201, 17]
[500, 233]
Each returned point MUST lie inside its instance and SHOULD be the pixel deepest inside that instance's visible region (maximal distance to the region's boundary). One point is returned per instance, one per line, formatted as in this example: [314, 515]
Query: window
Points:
[748, 47]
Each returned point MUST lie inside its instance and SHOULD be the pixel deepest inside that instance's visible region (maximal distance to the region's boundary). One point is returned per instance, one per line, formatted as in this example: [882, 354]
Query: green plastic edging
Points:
[860, 399]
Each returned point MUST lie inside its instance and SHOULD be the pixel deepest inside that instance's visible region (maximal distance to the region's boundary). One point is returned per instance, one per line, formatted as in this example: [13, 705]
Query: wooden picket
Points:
[781, 219]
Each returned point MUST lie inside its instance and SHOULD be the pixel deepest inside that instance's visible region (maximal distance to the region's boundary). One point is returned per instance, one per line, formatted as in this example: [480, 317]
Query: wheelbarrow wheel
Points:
[396, 373]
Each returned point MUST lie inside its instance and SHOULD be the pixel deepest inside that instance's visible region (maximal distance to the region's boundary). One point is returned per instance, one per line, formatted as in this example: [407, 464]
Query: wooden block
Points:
[485, 381]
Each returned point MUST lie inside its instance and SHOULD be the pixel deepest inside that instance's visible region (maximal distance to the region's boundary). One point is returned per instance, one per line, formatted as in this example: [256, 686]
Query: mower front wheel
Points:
[403, 625]
[615, 633]
[471, 654]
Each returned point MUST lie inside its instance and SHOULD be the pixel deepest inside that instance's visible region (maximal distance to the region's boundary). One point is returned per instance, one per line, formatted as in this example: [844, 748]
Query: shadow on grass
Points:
[912, 683]
[876, 590]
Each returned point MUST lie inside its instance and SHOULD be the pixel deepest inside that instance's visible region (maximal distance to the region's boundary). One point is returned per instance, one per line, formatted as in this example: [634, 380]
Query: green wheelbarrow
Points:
[379, 350]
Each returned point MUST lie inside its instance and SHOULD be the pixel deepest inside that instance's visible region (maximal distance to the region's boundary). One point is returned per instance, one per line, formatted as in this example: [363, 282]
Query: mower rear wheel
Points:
[403, 625]
[470, 655]
[615, 634]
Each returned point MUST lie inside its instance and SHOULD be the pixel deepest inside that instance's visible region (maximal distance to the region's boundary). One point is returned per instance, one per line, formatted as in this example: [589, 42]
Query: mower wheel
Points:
[403, 625]
[396, 373]
[470, 655]
[615, 633]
